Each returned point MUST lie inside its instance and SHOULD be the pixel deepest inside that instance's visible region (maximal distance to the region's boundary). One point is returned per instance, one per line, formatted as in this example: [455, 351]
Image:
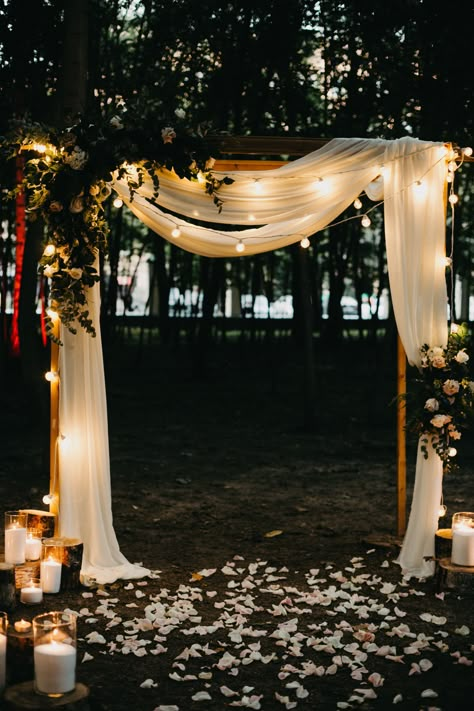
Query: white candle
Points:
[32, 548]
[50, 573]
[55, 668]
[15, 540]
[31, 594]
[3, 660]
[463, 545]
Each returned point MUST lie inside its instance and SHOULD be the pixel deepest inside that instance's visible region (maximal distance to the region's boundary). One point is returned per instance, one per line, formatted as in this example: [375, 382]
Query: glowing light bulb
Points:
[305, 243]
[39, 147]
[452, 451]
[201, 178]
[365, 222]
[419, 187]
[383, 170]
[52, 376]
[357, 204]
[442, 510]
[449, 178]
[176, 232]
[467, 151]
[118, 202]
[53, 315]
[48, 499]
[453, 199]
[240, 246]
[49, 250]
[452, 166]
[448, 262]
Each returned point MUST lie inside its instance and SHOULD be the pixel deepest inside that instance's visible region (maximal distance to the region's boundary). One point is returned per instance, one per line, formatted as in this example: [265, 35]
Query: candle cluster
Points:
[21, 543]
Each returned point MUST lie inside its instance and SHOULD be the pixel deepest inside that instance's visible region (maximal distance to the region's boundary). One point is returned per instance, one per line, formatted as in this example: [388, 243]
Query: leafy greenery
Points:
[443, 397]
[67, 176]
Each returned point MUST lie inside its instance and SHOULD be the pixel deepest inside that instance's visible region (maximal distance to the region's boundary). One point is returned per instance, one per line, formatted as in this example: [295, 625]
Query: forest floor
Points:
[274, 583]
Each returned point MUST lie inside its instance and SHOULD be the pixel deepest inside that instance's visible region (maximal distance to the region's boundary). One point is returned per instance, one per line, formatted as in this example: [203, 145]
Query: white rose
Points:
[461, 356]
[435, 352]
[75, 272]
[116, 123]
[438, 361]
[440, 420]
[451, 387]
[432, 405]
[167, 134]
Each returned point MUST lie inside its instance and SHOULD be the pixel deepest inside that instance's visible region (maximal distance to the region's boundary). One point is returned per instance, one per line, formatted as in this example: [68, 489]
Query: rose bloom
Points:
[451, 387]
[76, 205]
[167, 134]
[440, 420]
[49, 271]
[55, 206]
[438, 361]
[461, 356]
[432, 405]
[75, 272]
[453, 433]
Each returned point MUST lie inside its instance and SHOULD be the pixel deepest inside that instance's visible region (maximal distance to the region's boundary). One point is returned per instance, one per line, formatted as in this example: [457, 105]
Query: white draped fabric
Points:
[281, 206]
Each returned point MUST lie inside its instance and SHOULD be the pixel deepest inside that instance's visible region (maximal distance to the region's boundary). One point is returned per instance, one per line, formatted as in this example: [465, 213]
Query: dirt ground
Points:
[270, 588]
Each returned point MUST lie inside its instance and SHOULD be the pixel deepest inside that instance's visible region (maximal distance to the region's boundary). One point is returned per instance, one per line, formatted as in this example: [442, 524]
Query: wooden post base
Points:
[454, 577]
[24, 696]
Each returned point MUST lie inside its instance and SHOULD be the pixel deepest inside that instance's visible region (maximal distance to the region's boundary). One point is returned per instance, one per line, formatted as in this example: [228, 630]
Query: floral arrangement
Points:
[67, 177]
[445, 396]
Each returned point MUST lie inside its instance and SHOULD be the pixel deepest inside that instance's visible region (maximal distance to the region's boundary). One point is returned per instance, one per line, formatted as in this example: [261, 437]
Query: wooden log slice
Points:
[67, 551]
[455, 577]
[24, 696]
[443, 543]
[44, 521]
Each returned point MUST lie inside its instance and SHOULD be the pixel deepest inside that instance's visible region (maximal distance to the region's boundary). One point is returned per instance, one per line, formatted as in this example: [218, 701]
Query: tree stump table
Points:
[24, 696]
[454, 577]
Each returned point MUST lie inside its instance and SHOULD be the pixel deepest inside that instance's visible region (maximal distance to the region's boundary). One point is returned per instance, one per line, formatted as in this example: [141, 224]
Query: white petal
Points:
[429, 694]
[397, 699]
[148, 684]
[201, 696]
[87, 657]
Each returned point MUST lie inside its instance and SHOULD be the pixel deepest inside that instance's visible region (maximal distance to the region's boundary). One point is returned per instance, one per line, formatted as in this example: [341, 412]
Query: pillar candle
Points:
[463, 546]
[55, 668]
[32, 548]
[15, 540]
[31, 594]
[3, 661]
[50, 573]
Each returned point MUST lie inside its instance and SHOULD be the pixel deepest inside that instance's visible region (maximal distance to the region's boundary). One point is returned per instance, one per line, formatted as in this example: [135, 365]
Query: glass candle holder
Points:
[33, 544]
[15, 536]
[463, 539]
[3, 649]
[54, 637]
[50, 567]
[32, 592]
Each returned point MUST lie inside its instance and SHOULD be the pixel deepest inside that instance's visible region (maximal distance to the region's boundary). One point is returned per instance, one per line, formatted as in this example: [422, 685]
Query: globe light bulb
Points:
[357, 204]
[176, 232]
[305, 243]
[449, 177]
[452, 166]
[452, 451]
[49, 250]
[51, 376]
[453, 199]
[467, 151]
[240, 246]
[448, 262]
[118, 202]
[48, 499]
[442, 510]
[365, 222]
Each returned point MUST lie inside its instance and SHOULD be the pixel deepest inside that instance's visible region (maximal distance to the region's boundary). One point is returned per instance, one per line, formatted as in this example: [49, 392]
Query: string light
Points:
[452, 166]
[240, 246]
[449, 177]
[366, 222]
[453, 199]
[448, 262]
[49, 250]
[176, 232]
[305, 243]
[452, 451]
[467, 151]
[39, 147]
[52, 376]
[357, 204]
[118, 202]
[48, 499]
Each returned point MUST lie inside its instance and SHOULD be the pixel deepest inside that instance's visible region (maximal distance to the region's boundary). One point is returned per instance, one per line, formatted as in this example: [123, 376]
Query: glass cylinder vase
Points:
[51, 566]
[15, 536]
[54, 653]
[463, 539]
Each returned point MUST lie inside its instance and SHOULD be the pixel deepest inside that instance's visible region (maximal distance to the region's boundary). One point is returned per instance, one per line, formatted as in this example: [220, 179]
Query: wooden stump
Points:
[455, 577]
[67, 551]
[24, 572]
[7, 587]
[443, 543]
[24, 696]
[44, 521]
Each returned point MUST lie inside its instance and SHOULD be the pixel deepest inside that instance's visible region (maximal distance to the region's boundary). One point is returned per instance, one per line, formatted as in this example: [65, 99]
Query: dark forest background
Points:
[261, 68]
